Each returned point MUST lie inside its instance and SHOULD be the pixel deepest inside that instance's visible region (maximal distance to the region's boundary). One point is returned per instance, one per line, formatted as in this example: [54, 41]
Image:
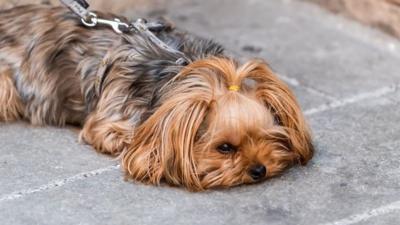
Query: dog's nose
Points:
[257, 172]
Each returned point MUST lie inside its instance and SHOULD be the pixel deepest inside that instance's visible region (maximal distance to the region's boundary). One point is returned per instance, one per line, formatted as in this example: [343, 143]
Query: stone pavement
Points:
[346, 77]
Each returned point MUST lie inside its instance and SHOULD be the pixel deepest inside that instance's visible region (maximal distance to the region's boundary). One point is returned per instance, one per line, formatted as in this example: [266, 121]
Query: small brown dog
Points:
[208, 123]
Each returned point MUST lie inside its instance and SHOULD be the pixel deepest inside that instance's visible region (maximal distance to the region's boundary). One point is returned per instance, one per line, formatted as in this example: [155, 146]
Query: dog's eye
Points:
[277, 121]
[226, 148]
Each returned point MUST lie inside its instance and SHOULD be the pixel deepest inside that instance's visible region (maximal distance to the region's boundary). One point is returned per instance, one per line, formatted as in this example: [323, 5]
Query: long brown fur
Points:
[167, 121]
[10, 102]
[185, 155]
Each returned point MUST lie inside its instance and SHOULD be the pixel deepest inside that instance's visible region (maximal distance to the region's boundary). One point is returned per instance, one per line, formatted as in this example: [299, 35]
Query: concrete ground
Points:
[347, 79]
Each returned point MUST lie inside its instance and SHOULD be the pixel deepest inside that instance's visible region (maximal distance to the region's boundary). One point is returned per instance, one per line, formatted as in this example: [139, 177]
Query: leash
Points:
[140, 26]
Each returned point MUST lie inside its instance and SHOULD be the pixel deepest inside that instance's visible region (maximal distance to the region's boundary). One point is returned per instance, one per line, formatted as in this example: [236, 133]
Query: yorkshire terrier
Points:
[205, 124]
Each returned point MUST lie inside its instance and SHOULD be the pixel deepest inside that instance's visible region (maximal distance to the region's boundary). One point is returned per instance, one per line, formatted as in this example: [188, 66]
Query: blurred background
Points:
[383, 14]
[118, 6]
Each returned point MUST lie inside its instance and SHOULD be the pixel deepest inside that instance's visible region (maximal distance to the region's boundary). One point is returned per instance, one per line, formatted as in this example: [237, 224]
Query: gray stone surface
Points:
[32, 156]
[346, 77]
[299, 41]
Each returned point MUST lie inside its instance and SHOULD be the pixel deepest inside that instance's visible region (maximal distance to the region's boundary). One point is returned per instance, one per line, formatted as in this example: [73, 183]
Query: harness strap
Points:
[79, 7]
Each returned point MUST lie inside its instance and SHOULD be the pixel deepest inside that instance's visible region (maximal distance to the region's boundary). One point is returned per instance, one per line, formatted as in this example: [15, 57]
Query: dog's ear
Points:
[281, 101]
[163, 144]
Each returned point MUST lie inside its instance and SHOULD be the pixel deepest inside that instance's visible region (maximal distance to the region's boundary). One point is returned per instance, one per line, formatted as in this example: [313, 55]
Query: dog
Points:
[207, 123]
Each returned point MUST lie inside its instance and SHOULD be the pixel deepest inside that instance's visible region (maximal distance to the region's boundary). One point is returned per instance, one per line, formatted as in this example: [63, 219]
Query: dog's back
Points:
[40, 50]
[53, 62]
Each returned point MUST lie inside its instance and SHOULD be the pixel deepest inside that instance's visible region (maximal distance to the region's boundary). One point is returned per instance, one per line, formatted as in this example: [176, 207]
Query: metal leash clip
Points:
[90, 19]
[140, 26]
[116, 24]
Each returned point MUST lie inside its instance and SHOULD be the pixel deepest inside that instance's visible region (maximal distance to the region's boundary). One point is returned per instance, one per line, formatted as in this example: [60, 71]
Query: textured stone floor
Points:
[347, 79]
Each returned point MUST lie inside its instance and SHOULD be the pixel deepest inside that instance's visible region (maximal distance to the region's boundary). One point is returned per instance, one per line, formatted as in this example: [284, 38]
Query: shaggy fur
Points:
[168, 122]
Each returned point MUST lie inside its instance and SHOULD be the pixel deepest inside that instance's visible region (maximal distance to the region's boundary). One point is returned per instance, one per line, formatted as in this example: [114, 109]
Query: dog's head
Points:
[220, 125]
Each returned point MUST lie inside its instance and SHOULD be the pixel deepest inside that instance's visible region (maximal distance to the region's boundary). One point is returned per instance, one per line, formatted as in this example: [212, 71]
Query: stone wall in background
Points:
[115, 6]
[384, 14]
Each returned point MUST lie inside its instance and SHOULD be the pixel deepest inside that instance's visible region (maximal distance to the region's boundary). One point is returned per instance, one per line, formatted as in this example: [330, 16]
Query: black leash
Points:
[140, 26]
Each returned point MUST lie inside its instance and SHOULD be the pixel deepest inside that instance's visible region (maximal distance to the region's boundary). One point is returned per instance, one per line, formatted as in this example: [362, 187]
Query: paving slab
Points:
[32, 156]
[358, 158]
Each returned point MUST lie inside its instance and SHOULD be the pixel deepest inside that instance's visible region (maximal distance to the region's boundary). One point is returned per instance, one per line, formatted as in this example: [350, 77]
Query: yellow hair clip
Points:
[234, 88]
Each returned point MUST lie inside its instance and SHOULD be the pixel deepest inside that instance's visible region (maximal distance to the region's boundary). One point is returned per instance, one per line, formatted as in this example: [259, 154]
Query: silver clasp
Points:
[93, 20]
